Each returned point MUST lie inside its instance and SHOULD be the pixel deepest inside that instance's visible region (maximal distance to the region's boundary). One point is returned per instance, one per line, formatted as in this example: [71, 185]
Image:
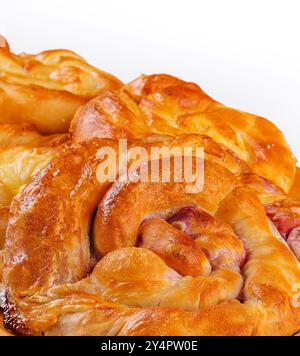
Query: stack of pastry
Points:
[81, 256]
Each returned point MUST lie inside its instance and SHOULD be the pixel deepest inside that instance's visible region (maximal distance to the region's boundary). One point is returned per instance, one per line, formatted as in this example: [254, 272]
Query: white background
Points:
[243, 53]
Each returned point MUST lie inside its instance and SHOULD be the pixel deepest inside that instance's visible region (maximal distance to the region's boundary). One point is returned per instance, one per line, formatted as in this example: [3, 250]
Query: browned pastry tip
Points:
[165, 105]
[46, 89]
[3, 43]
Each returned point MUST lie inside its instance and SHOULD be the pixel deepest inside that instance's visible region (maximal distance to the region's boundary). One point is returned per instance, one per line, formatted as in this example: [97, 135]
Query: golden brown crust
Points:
[4, 214]
[132, 290]
[140, 258]
[295, 192]
[162, 322]
[12, 135]
[46, 89]
[161, 104]
[3, 331]
[3, 43]
[267, 191]
[110, 217]
[23, 152]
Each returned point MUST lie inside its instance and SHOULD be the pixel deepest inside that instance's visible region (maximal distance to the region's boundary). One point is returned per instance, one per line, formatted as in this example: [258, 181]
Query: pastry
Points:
[135, 253]
[162, 261]
[23, 153]
[162, 104]
[46, 89]
[295, 191]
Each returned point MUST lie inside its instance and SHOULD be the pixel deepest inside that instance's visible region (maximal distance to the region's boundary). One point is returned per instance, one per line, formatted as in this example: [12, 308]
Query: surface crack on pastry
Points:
[137, 287]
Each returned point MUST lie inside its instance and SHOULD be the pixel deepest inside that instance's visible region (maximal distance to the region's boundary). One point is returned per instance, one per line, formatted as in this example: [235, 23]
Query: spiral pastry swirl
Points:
[135, 256]
[146, 258]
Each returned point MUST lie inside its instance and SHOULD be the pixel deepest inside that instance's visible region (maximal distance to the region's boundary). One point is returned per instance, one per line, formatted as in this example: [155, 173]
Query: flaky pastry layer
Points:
[46, 89]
